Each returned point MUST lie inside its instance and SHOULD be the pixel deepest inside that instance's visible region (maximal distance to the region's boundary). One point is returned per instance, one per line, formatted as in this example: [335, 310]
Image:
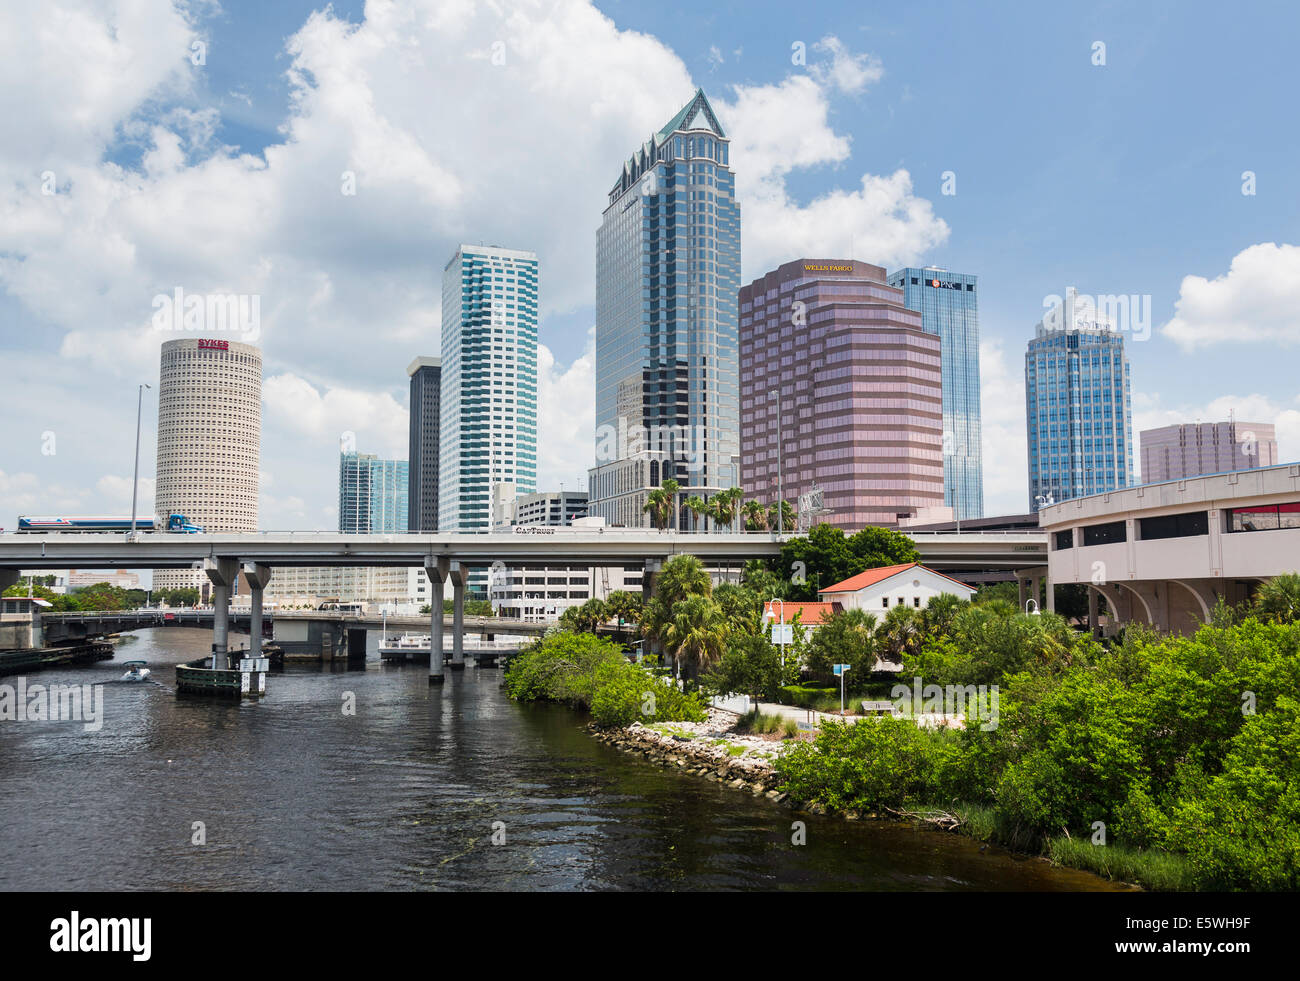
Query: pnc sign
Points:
[941, 285]
[207, 344]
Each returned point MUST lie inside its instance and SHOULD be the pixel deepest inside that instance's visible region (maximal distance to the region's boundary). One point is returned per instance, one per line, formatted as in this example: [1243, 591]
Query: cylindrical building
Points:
[209, 439]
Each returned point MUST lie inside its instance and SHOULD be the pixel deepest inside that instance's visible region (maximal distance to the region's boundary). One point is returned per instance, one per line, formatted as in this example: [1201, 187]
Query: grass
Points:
[1152, 869]
[757, 723]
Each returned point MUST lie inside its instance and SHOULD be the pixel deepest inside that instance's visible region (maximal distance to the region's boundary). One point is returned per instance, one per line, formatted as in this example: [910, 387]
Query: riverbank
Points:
[711, 749]
[715, 751]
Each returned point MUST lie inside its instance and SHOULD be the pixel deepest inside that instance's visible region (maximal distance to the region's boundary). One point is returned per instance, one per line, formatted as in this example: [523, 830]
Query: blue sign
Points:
[840, 669]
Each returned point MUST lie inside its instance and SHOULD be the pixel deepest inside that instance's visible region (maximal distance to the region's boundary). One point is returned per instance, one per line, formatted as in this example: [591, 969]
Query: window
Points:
[1064, 539]
[1266, 517]
[1174, 526]
[884, 602]
[916, 601]
[1107, 534]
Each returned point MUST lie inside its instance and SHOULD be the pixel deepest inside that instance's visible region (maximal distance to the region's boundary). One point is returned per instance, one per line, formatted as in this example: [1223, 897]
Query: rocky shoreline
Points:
[708, 749]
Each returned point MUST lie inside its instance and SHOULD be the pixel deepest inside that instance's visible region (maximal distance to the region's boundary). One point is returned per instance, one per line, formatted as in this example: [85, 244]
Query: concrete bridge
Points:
[447, 558]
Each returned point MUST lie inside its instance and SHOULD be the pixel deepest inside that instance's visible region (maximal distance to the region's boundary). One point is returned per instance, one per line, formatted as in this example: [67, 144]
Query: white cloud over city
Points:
[498, 123]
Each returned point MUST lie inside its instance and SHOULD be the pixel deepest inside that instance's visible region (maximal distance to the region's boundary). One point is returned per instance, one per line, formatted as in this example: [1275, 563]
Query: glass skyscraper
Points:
[949, 306]
[372, 494]
[1079, 410]
[667, 280]
[425, 420]
[488, 432]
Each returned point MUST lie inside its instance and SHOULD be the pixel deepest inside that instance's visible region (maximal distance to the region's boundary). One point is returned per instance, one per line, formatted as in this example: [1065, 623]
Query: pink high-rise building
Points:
[1193, 449]
[860, 396]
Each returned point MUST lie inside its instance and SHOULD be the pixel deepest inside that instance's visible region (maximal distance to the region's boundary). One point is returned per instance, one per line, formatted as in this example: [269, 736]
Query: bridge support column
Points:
[221, 573]
[257, 577]
[437, 569]
[1051, 593]
[1092, 612]
[459, 577]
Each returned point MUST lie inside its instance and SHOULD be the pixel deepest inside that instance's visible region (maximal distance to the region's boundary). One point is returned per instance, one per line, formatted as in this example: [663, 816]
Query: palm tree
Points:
[786, 523]
[899, 633]
[624, 606]
[658, 505]
[755, 513]
[697, 634]
[1279, 598]
[699, 508]
[725, 507]
[672, 489]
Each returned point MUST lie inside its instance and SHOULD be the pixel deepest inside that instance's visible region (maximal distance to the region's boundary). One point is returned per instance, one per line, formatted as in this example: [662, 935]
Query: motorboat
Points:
[136, 670]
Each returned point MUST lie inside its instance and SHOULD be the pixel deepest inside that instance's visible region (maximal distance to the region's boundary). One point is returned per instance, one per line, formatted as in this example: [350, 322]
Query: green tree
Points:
[624, 607]
[751, 665]
[725, 507]
[787, 520]
[696, 635]
[847, 637]
[659, 505]
[826, 556]
[755, 516]
[699, 509]
[1278, 599]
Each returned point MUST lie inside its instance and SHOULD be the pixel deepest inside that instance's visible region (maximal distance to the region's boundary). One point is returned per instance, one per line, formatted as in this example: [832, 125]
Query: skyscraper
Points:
[1193, 449]
[488, 400]
[667, 279]
[949, 306]
[831, 357]
[372, 494]
[1078, 408]
[209, 440]
[422, 455]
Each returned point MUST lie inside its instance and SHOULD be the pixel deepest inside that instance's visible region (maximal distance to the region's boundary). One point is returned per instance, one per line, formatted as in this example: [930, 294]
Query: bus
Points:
[175, 524]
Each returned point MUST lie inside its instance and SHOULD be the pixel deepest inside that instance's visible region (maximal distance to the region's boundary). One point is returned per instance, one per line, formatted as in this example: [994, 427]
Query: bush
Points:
[587, 672]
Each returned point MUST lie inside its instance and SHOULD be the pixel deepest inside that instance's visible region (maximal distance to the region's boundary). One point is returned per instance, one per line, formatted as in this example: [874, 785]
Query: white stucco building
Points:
[876, 590]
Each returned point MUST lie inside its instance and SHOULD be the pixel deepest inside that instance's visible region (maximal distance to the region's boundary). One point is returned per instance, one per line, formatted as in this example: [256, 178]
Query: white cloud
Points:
[1256, 300]
[447, 144]
[566, 424]
[847, 72]
[1002, 424]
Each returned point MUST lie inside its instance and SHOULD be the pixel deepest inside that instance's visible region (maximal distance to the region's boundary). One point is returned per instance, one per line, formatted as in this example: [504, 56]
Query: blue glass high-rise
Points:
[488, 433]
[372, 494]
[1078, 411]
[667, 280]
[948, 303]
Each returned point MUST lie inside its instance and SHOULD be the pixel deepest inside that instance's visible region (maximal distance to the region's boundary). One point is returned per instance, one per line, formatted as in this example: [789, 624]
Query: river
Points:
[406, 794]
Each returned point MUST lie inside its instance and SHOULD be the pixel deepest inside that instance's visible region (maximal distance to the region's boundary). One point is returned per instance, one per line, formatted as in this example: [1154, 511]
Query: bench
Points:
[878, 708]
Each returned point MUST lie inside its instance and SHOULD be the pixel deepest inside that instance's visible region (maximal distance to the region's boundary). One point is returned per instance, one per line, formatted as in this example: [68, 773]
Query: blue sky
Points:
[1122, 178]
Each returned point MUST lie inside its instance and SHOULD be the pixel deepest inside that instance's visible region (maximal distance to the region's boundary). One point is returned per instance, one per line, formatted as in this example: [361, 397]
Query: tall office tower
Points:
[1078, 408]
[1195, 449]
[829, 353]
[209, 440]
[488, 400]
[422, 493]
[667, 277]
[949, 306]
[372, 494]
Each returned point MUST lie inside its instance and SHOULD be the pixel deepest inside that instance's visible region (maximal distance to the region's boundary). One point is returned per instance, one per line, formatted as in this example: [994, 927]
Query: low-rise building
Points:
[910, 584]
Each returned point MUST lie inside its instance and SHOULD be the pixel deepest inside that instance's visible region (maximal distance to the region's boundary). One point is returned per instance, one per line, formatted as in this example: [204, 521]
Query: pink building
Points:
[860, 403]
[1195, 449]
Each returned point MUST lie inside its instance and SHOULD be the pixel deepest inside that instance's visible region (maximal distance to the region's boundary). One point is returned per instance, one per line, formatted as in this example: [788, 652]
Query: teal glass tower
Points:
[372, 494]
[1078, 410]
[488, 399]
[949, 306]
[667, 283]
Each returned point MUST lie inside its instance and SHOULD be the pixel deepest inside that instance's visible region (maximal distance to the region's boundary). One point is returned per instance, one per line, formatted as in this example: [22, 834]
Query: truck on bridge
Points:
[175, 524]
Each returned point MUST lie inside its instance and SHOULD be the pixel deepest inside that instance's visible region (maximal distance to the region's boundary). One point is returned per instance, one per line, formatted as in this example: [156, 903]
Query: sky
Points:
[1142, 150]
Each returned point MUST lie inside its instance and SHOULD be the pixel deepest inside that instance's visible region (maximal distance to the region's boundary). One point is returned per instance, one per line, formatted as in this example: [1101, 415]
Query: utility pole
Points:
[135, 481]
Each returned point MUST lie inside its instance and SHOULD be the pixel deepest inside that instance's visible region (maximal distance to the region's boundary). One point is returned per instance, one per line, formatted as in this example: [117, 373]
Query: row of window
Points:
[1263, 517]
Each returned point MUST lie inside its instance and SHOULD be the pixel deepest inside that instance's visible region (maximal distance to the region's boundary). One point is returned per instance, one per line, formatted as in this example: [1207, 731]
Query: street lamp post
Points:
[135, 481]
[780, 487]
